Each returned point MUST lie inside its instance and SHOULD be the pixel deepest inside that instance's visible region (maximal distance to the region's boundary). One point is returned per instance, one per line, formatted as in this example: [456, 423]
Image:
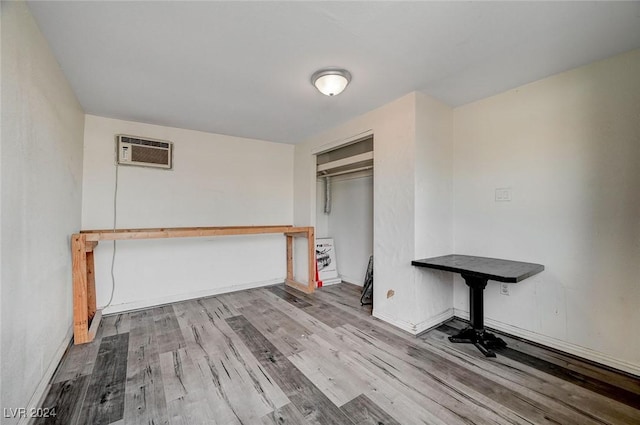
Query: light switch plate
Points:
[503, 194]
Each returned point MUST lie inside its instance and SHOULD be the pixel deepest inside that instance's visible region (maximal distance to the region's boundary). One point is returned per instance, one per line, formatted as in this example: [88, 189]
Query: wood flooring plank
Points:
[362, 411]
[306, 397]
[491, 391]
[346, 291]
[381, 332]
[345, 299]
[302, 317]
[185, 393]
[275, 355]
[104, 401]
[218, 307]
[348, 312]
[318, 309]
[280, 329]
[405, 409]
[205, 363]
[603, 388]
[64, 400]
[432, 384]
[115, 324]
[77, 361]
[285, 415]
[288, 297]
[449, 410]
[408, 411]
[324, 363]
[331, 345]
[627, 393]
[245, 391]
[168, 333]
[352, 288]
[396, 402]
[232, 347]
[241, 298]
[602, 373]
[571, 363]
[581, 405]
[145, 401]
[332, 381]
[592, 384]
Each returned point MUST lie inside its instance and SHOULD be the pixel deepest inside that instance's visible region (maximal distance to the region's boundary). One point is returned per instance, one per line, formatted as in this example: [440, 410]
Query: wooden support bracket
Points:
[85, 318]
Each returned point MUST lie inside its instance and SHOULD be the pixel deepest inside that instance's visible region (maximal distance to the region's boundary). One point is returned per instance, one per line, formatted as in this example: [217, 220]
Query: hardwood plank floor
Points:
[277, 356]
[362, 411]
[104, 401]
[145, 400]
[67, 397]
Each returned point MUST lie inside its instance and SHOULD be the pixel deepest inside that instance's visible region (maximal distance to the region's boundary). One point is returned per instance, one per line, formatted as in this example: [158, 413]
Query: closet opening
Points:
[344, 216]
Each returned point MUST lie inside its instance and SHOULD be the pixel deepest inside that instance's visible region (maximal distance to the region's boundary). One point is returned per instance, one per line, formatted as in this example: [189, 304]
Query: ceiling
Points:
[243, 68]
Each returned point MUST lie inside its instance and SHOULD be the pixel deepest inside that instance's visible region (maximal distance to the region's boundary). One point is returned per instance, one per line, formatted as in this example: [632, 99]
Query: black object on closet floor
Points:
[367, 289]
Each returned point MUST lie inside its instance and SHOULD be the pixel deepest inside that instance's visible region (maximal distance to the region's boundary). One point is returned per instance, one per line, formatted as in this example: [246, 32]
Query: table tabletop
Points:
[482, 267]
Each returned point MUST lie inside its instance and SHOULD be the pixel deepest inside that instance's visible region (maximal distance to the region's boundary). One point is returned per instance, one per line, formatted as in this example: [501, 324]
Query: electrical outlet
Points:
[504, 288]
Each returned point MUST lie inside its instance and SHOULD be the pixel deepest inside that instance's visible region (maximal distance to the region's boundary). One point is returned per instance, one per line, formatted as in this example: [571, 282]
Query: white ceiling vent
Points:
[144, 152]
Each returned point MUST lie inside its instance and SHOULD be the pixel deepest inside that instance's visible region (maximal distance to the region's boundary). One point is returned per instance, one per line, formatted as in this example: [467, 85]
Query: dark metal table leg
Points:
[476, 334]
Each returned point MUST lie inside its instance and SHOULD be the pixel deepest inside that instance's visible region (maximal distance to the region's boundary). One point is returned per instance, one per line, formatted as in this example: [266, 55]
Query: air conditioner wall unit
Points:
[144, 152]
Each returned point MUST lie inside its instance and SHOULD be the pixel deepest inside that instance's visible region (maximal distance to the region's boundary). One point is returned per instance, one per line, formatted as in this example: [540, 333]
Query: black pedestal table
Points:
[476, 272]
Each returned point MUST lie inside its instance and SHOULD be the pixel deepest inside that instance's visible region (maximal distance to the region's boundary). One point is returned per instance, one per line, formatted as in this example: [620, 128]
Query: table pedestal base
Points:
[475, 334]
[483, 340]
[476, 271]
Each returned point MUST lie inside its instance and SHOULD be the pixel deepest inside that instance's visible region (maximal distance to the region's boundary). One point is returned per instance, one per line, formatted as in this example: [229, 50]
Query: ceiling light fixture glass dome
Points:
[331, 81]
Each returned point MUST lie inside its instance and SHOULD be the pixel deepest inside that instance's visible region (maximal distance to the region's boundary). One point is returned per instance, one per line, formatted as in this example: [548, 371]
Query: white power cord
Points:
[113, 257]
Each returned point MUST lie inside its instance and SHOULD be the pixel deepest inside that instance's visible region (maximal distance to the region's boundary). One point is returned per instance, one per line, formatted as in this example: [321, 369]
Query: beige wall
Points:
[350, 222]
[569, 148]
[42, 130]
[433, 207]
[398, 191]
[216, 180]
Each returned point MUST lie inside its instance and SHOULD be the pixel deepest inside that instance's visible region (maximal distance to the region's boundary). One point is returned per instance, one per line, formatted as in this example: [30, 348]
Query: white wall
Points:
[569, 147]
[394, 199]
[433, 206]
[42, 131]
[350, 224]
[217, 180]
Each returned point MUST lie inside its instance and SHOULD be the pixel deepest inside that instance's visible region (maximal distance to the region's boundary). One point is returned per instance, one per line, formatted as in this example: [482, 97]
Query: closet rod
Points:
[339, 173]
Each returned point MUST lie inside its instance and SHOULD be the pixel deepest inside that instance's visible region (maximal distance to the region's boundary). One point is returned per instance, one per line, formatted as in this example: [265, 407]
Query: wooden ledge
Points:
[86, 317]
[188, 232]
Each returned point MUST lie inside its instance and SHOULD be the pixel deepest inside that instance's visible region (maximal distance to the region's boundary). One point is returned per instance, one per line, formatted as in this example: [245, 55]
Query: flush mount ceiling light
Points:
[331, 81]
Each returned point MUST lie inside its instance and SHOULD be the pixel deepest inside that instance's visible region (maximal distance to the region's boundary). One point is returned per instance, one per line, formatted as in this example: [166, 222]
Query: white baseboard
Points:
[137, 305]
[564, 346]
[41, 390]
[332, 281]
[352, 280]
[416, 328]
